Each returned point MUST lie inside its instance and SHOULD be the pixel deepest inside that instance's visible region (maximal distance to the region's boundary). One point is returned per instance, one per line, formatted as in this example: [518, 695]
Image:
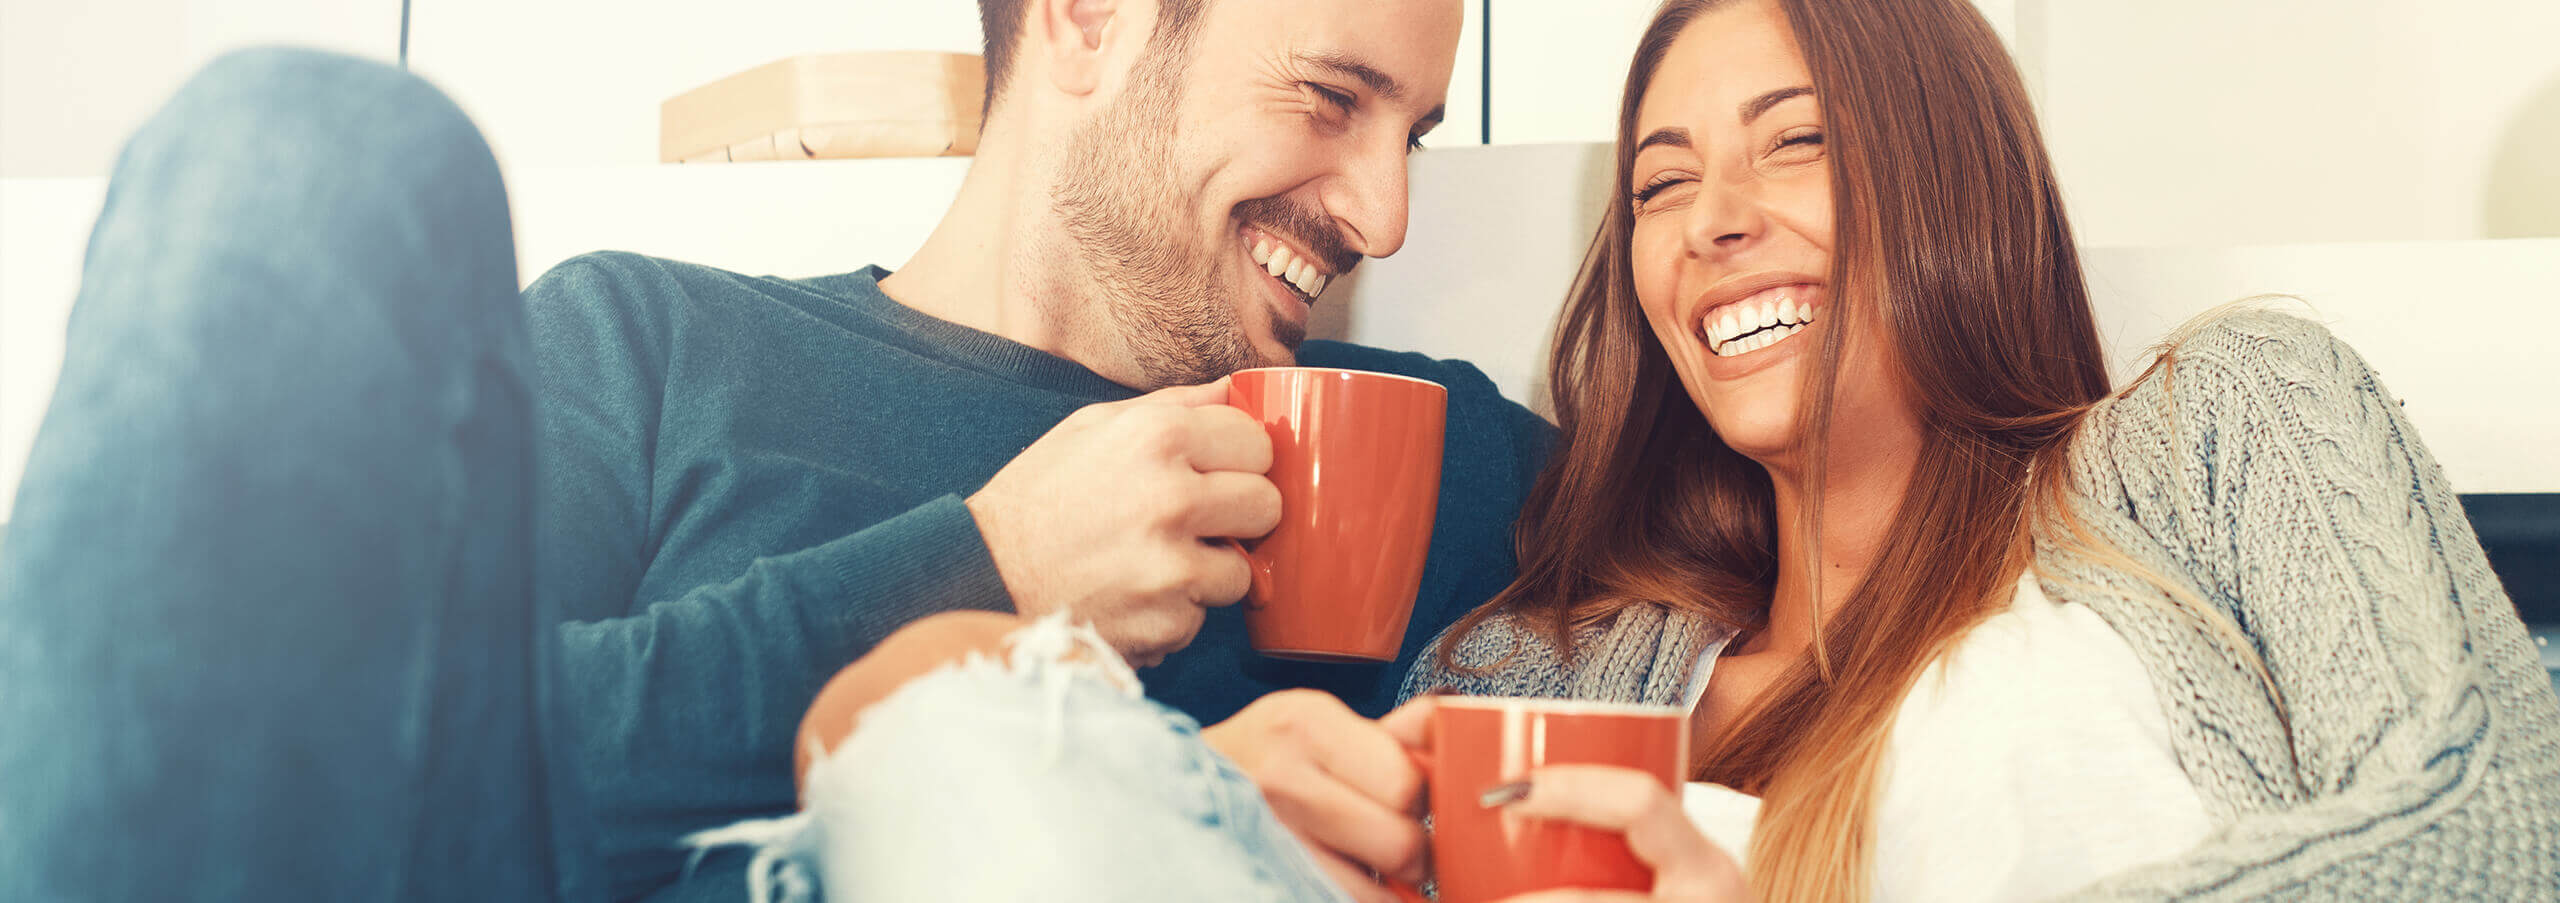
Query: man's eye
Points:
[1339, 99]
[1412, 144]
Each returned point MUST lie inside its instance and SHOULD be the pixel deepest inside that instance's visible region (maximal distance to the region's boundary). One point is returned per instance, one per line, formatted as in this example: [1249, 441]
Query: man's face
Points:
[1277, 144]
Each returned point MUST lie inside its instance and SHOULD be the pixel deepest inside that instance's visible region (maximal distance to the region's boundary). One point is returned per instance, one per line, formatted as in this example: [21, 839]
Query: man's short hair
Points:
[1000, 21]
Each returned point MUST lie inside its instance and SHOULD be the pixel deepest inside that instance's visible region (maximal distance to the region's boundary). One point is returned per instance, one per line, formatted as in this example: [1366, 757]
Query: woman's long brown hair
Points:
[1949, 231]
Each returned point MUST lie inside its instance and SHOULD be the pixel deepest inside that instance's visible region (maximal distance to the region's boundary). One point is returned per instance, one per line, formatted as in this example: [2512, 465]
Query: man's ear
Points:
[1073, 33]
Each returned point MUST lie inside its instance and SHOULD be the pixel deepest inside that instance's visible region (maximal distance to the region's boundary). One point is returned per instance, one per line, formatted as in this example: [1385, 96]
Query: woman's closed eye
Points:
[1655, 186]
[1794, 144]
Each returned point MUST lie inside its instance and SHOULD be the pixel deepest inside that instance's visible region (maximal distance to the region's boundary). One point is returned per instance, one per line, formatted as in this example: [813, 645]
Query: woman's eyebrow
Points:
[1672, 136]
[1751, 109]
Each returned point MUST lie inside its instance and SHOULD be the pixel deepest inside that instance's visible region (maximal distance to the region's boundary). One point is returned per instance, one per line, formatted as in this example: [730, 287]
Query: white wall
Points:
[63, 113]
[1558, 68]
[2208, 122]
[43, 229]
[76, 77]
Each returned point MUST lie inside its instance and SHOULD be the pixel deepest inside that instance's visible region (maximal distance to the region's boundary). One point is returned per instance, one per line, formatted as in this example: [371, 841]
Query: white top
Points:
[2030, 761]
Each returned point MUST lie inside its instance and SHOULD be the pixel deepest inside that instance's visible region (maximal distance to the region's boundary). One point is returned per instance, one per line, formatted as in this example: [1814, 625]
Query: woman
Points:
[1836, 430]
[1837, 435]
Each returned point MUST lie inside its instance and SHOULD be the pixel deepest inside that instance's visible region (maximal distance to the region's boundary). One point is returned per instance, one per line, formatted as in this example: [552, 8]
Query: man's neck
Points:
[974, 269]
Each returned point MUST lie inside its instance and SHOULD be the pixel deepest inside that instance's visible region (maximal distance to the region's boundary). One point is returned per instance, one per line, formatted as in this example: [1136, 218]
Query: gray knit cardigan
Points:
[2413, 751]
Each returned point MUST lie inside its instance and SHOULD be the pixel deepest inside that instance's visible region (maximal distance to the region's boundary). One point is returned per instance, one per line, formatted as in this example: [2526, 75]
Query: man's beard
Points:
[1124, 216]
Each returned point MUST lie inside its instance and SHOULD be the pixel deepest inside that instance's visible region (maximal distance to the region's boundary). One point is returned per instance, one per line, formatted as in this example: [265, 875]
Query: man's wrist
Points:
[991, 534]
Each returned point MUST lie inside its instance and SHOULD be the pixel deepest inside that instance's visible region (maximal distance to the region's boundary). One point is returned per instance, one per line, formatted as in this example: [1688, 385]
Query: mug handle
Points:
[1256, 567]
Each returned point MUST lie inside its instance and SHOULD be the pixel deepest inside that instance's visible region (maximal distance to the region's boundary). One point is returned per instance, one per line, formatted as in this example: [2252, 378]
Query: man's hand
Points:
[1119, 513]
[1344, 784]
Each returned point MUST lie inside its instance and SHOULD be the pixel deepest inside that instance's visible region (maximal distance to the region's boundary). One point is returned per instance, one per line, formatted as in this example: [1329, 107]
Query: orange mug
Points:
[1356, 456]
[1479, 743]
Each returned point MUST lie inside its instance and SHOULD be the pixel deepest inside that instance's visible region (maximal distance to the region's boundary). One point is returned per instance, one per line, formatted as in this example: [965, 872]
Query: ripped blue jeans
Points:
[1034, 777]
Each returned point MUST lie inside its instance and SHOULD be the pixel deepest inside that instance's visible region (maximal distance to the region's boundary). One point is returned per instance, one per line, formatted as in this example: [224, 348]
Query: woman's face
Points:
[1732, 241]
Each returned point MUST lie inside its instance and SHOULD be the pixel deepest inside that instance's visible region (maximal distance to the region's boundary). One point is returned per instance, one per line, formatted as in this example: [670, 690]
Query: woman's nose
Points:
[1726, 219]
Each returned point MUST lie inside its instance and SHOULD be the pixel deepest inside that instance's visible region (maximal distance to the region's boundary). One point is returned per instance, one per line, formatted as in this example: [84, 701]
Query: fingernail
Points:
[1503, 794]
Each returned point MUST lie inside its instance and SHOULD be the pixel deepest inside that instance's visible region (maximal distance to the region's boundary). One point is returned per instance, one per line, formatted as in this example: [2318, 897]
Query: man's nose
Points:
[1368, 198]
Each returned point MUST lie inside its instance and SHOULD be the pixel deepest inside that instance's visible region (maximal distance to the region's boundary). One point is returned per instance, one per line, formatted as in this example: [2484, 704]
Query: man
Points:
[744, 482]
[751, 458]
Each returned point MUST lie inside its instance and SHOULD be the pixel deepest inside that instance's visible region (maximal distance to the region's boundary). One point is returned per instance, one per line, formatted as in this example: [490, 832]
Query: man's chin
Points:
[1286, 336]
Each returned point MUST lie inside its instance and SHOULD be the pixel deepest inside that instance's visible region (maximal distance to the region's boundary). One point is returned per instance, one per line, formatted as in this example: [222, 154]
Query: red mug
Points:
[1478, 743]
[1356, 456]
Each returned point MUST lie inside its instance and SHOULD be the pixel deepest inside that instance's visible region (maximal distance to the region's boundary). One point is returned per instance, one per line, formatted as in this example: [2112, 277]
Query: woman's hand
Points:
[1687, 867]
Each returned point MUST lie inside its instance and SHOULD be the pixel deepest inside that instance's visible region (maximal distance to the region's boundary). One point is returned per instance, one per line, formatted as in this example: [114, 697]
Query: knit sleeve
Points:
[2269, 465]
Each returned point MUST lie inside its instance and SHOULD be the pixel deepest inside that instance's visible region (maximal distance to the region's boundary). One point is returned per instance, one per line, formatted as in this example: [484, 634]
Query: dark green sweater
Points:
[749, 481]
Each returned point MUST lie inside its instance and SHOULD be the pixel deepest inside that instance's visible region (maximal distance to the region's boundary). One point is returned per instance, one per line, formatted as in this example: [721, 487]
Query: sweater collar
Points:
[978, 350]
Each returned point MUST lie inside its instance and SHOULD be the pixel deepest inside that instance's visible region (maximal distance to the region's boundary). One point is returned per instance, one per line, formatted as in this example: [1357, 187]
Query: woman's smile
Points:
[1759, 320]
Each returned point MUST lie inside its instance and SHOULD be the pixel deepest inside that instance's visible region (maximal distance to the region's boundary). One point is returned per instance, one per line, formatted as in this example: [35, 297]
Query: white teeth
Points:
[1766, 320]
[1284, 264]
[1757, 341]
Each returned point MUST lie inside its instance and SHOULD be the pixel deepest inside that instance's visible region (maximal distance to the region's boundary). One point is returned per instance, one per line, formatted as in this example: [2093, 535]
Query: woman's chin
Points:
[1756, 423]
[1765, 441]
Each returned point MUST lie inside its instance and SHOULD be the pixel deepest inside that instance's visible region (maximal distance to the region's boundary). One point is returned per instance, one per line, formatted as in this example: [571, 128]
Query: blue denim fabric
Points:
[1031, 778]
[267, 628]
